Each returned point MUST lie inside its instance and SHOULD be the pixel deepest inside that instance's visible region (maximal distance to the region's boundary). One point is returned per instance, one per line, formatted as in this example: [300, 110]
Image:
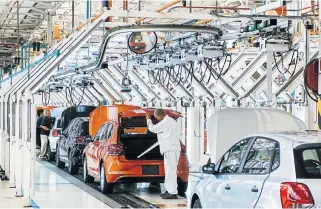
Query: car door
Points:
[100, 150]
[70, 138]
[75, 129]
[218, 186]
[248, 184]
[92, 150]
[63, 138]
[106, 137]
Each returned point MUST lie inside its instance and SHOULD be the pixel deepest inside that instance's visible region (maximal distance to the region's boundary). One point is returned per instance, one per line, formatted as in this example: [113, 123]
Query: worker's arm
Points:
[158, 128]
[45, 128]
[44, 124]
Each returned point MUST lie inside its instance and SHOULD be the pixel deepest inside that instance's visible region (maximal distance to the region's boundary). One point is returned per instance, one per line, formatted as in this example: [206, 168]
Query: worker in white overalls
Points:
[169, 144]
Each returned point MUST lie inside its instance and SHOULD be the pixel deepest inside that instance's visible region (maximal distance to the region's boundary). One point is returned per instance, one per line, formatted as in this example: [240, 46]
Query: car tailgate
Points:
[308, 169]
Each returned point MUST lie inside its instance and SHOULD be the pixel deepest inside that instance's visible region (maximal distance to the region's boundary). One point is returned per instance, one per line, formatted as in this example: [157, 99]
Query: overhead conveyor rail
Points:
[65, 48]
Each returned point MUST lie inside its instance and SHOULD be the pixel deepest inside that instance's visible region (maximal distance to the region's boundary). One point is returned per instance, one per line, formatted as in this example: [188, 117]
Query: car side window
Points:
[107, 132]
[66, 131]
[74, 128]
[260, 156]
[99, 133]
[232, 159]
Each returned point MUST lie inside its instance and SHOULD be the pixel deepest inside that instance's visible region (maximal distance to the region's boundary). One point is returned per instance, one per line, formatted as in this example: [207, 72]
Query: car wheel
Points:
[197, 204]
[50, 155]
[87, 178]
[59, 163]
[105, 187]
[72, 168]
[182, 186]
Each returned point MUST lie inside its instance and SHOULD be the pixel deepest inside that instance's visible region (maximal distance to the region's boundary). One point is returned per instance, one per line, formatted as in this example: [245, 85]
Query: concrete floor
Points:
[53, 191]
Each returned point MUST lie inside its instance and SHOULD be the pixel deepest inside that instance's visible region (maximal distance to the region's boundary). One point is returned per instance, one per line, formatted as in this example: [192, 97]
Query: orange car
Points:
[113, 154]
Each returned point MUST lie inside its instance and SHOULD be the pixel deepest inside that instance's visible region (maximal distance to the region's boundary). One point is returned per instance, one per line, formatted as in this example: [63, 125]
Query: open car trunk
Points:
[136, 139]
[136, 144]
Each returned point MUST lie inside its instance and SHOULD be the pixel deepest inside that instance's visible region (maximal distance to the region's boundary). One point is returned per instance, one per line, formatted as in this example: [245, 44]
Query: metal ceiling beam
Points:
[22, 13]
[21, 24]
[35, 7]
[43, 4]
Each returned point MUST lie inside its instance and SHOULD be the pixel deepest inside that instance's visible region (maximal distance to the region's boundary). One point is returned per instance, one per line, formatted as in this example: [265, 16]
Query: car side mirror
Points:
[209, 168]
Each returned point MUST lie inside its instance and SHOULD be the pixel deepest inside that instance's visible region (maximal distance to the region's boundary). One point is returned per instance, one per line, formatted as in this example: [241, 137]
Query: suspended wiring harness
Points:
[184, 73]
[293, 62]
[70, 93]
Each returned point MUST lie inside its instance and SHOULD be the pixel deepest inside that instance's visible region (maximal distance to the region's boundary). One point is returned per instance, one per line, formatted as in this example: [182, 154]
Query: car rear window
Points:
[308, 162]
[59, 123]
[84, 131]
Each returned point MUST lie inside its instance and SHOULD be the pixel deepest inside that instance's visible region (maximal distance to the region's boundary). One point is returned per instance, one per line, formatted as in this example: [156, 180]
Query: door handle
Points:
[254, 189]
[227, 187]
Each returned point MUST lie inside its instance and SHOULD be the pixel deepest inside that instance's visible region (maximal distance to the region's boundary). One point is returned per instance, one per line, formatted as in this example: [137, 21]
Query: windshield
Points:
[308, 162]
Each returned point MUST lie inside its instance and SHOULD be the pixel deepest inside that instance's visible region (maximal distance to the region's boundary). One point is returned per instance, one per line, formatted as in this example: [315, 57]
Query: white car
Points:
[271, 170]
[54, 133]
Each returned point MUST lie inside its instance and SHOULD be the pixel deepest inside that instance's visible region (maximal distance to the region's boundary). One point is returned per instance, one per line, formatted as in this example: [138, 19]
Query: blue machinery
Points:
[54, 53]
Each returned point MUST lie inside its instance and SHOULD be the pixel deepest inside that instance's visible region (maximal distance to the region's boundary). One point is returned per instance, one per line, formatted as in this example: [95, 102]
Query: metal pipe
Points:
[72, 14]
[88, 12]
[208, 7]
[269, 77]
[18, 38]
[161, 9]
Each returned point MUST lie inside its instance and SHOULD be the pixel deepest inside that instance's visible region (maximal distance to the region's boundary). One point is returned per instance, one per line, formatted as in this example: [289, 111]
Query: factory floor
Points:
[53, 190]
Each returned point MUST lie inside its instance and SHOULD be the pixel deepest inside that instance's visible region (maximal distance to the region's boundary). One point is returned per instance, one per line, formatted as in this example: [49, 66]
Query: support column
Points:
[32, 135]
[193, 137]
[49, 30]
[12, 181]
[269, 78]
[6, 136]
[306, 46]
[27, 147]
[19, 151]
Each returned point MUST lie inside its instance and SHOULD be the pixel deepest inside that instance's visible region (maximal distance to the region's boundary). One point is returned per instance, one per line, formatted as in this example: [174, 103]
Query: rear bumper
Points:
[77, 154]
[53, 143]
[119, 170]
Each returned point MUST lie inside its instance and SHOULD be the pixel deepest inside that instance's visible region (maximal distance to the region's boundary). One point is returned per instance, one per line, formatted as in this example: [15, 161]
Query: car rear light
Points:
[295, 195]
[183, 149]
[80, 139]
[55, 133]
[115, 149]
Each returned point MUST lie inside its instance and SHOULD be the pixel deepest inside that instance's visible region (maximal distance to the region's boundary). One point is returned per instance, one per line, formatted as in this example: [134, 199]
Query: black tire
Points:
[72, 168]
[197, 204]
[182, 187]
[105, 187]
[59, 163]
[50, 155]
[87, 178]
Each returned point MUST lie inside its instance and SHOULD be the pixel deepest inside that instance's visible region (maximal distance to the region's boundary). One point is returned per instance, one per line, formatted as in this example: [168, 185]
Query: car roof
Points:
[296, 137]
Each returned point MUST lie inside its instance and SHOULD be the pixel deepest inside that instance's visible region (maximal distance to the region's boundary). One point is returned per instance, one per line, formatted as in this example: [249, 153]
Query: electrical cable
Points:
[287, 70]
[82, 96]
[200, 68]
